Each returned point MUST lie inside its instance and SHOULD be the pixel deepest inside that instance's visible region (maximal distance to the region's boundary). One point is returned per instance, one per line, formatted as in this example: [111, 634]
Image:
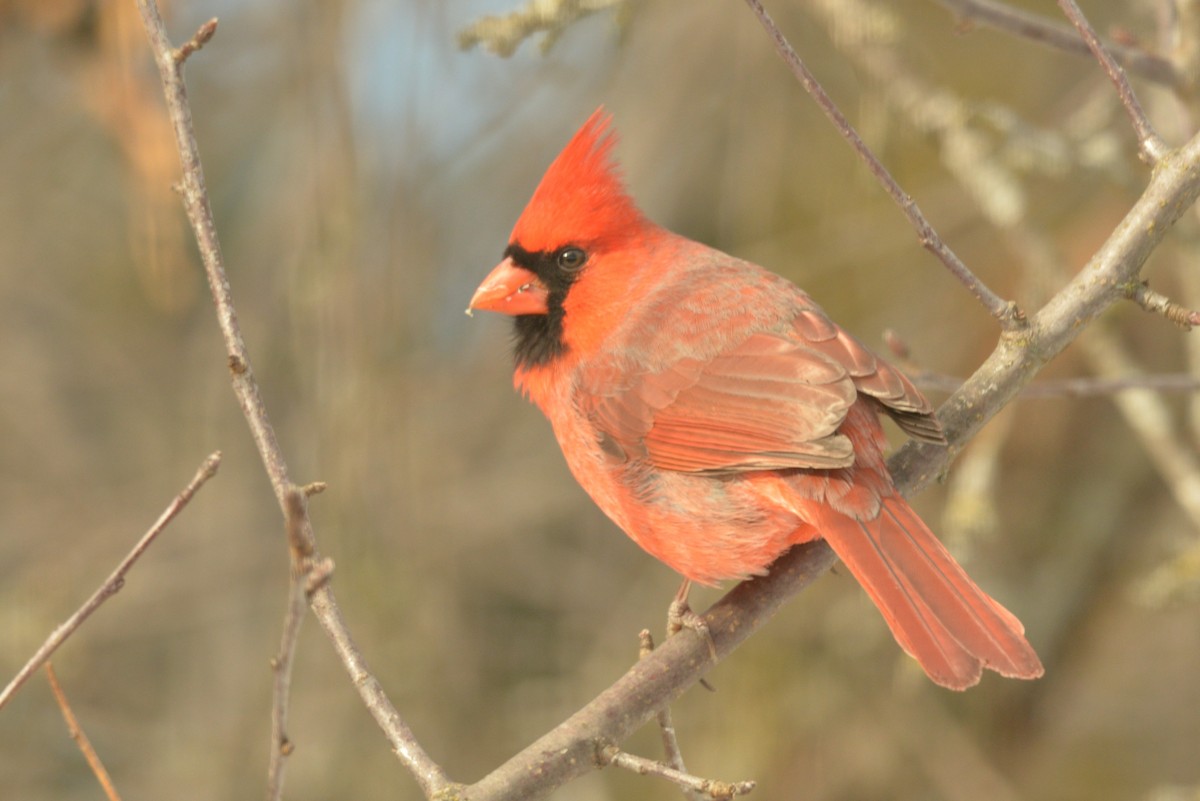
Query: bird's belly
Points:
[706, 528]
[712, 529]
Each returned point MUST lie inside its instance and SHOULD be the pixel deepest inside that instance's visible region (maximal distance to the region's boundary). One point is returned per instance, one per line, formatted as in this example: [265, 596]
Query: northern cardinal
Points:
[717, 415]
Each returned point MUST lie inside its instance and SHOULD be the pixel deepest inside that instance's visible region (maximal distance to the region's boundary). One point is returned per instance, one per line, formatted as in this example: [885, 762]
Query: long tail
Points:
[937, 614]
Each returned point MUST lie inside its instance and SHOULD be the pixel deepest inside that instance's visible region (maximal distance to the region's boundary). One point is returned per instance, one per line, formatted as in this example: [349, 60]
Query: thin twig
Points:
[429, 774]
[611, 755]
[199, 40]
[504, 34]
[404, 743]
[569, 750]
[81, 739]
[1101, 387]
[963, 130]
[1151, 146]
[195, 199]
[300, 549]
[1133, 394]
[1006, 312]
[1072, 387]
[115, 581]
[1052, 33]
[672, 754]
[1172, 190]
[1158, 303]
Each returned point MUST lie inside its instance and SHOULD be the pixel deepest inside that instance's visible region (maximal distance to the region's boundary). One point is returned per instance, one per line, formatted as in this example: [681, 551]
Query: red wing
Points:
[872, 376]
[769, 403]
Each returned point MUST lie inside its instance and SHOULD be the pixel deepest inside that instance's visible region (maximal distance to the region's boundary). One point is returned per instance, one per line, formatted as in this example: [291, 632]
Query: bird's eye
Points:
[571, 259]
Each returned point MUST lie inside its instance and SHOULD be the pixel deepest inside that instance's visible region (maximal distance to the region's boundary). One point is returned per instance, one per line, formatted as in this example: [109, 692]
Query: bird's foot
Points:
[680, 616]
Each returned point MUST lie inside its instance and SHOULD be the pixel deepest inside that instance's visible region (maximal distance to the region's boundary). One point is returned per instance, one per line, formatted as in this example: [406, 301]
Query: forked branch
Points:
[1052, 33]
[1152, 147]
[1006, 312]
[1158, 303]
[80, 737]
[115, 580]
[310, 573]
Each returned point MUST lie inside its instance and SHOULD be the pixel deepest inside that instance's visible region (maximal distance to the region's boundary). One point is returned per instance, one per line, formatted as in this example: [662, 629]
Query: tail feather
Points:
[936, 613]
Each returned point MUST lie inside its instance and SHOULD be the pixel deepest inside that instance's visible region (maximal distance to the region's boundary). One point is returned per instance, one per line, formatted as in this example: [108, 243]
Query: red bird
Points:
[719, 417]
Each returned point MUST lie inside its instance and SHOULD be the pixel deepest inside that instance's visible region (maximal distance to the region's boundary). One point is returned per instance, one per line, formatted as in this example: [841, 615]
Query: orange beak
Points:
[511, 290]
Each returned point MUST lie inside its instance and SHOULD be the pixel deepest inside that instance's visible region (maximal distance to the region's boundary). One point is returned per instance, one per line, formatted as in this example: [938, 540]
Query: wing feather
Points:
[773, 401]
[769, 403]
[872, 376]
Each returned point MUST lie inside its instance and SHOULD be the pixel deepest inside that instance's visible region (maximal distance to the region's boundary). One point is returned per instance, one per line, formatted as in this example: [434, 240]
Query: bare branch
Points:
[301, 552]
[81, 739]
[1173, 189]
[1051, 33]
[1089, 387]
[502, 35]
[710, 788]
[1006, 312]
[198, 41]
[195, 199]
[978, 143]
[1152, 147]
[1101, 387]
[1157, 303]
[428, 773]
[569, 750]
[310, 572]
[115, 580]
[672, 755]
[1144, 411]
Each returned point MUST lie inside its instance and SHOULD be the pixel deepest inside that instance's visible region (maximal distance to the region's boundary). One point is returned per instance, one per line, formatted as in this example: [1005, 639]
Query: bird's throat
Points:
[539, 337]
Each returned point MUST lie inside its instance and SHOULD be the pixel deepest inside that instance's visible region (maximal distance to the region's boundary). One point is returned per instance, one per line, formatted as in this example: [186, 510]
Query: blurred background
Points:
[365, 172]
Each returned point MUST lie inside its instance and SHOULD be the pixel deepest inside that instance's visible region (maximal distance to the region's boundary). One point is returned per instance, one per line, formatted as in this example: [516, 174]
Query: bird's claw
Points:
[680, 616]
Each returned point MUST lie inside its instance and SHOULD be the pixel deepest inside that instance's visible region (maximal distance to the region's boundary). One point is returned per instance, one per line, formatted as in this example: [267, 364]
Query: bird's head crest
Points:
[581, 199]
